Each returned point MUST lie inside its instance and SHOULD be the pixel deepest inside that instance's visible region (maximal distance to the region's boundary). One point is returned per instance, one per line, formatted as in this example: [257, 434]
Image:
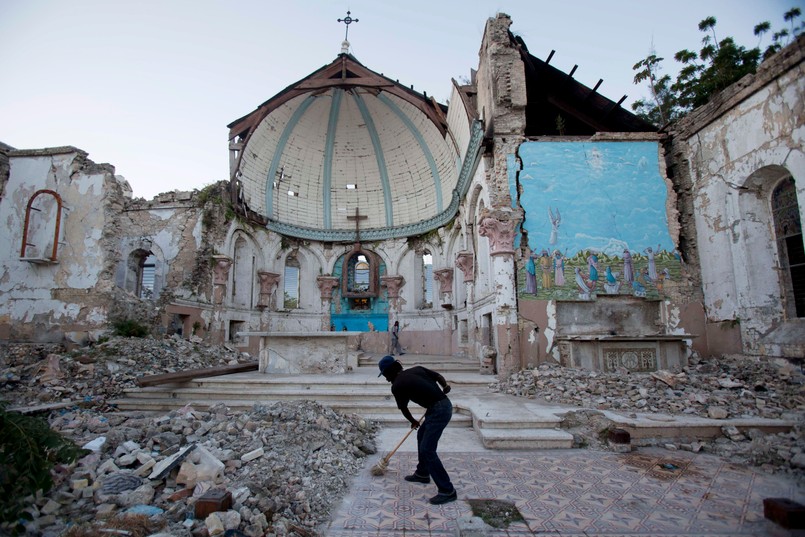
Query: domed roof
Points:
[342, 142]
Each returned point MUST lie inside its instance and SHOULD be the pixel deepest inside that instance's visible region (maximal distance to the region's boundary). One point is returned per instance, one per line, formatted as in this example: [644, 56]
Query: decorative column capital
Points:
[220, 269]
[393, 284]
[268, 282]
[465, 261]
[445, 278]
[327, 285]
[500, 234]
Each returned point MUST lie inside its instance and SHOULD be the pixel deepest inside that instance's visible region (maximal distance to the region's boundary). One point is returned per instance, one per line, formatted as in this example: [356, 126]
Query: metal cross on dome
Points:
[347, 21]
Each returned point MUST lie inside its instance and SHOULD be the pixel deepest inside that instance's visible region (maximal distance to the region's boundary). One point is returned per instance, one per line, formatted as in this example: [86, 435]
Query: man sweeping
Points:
[421, 385]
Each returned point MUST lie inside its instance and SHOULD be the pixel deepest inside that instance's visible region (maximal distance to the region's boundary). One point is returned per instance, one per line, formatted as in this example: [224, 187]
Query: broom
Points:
[380, 468]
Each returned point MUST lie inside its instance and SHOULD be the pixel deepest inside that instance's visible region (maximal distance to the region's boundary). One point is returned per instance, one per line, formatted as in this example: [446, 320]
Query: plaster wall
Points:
[738, 148]
[43, 300]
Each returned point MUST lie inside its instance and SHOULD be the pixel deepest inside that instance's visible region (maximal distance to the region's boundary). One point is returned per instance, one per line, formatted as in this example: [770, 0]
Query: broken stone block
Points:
[201, 465]
[145, 469]
[254, 454]
[143, 494]
[215, 525]
[717, 413]
[50, 507]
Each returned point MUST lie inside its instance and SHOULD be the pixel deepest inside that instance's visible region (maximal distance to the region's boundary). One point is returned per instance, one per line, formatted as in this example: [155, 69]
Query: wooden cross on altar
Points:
[358, 217]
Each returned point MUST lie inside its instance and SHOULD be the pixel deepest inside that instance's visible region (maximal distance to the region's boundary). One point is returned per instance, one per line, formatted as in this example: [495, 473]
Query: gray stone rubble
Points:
[285, 464]
[734, 386]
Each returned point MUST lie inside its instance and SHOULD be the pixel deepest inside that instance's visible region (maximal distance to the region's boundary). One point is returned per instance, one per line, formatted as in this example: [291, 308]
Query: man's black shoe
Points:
[413, 478]
[444, 498]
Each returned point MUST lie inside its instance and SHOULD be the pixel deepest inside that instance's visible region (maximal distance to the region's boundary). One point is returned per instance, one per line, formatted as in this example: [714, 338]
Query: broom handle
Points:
[393, 451]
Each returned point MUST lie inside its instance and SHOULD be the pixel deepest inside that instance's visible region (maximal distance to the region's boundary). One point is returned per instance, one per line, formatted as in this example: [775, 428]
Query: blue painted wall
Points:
[343, 318]
[586, 203]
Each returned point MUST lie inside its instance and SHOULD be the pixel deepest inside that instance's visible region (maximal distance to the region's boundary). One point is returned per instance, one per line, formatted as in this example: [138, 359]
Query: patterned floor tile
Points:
[651, 492]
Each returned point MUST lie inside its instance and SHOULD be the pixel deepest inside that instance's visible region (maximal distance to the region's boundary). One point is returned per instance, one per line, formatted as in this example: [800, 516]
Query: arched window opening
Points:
[243, 279]
[147, 277]
[788, 233]
[291, 284]
[359, 278]
[427, 280]
[40, 234]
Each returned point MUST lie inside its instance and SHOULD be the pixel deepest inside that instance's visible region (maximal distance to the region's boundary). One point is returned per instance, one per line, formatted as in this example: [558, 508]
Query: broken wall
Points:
[56, 269]
[727, 158]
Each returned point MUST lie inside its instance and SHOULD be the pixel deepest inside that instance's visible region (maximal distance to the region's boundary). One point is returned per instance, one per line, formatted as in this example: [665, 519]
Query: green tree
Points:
[717, 65]
[662, 107]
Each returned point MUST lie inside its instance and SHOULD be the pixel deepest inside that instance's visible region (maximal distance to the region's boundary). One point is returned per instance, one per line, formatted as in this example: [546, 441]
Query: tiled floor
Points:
[573, 493]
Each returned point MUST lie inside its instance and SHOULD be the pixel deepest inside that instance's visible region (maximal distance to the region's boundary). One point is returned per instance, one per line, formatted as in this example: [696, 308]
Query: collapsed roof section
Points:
[559, 105]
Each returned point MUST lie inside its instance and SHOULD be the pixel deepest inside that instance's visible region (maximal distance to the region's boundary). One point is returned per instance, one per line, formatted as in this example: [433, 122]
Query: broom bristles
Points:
[380, 468]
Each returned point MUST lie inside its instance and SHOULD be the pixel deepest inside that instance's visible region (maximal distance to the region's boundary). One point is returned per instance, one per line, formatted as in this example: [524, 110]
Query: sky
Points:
[149, 86]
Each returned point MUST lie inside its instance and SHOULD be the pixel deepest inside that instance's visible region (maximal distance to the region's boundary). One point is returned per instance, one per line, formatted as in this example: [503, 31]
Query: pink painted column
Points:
[327, 285]
[445, 278]
[498, 227]
[268, 283]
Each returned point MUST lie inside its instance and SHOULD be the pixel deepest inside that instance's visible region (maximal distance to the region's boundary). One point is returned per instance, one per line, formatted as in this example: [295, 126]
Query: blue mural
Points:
[595, 219]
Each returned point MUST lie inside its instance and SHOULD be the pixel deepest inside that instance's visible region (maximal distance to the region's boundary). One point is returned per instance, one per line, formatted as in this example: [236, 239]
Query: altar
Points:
[295, 353]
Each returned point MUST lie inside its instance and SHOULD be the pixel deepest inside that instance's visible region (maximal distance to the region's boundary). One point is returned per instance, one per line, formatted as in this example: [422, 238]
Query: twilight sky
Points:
[150, 85]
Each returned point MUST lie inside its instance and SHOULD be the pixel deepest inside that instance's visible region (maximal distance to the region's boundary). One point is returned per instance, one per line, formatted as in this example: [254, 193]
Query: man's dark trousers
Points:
[436, 419]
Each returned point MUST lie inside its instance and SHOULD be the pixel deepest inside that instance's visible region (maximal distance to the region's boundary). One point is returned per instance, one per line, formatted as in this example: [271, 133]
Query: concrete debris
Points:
[284, 465]
[93, 375]
[733, 386]
[290, 485]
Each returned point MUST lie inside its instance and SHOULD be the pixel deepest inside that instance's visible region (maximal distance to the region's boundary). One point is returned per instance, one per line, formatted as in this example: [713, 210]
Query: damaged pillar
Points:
[393, 284]
[498, 227]
[327, 285]
[220, 282]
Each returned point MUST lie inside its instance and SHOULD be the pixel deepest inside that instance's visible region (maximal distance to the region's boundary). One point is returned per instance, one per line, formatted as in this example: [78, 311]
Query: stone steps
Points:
[501, 422]
[442, 364]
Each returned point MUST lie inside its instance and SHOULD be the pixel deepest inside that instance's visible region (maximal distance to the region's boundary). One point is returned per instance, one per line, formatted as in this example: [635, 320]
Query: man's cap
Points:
[385, 363]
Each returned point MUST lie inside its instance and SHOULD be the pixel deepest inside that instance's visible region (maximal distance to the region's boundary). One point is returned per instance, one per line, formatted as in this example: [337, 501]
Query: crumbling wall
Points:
[725, 158]
[44, 299]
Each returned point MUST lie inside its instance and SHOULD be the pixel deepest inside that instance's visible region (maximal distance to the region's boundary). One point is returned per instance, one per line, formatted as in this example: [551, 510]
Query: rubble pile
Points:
[279, 468]
[283, 465]
[40, 374]
[733, 386]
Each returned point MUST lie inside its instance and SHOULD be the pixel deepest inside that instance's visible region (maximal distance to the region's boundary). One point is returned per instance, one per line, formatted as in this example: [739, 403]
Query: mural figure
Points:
[530, 275]
[592, 263]
[638, 288]
[652, 267]
[558, 268]
[545, 264]
[628, 268]
[586, 286]
[664, 275]
[555, 221]
[612, 285]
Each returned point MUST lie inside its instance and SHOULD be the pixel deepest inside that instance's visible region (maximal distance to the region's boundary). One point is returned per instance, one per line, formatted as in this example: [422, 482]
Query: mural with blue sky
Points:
[591, 202]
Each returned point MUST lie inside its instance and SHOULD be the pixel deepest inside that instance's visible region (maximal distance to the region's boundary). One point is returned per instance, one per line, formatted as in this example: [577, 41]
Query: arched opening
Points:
[40, 234]
[788, 236]
[291, 284]
[426, 268]
[141, 274]
[147, 277]
[243, 274]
